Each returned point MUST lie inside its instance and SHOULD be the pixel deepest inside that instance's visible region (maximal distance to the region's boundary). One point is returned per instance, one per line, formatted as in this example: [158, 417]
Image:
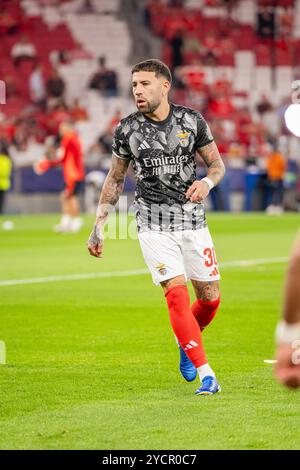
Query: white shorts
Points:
[188, 252]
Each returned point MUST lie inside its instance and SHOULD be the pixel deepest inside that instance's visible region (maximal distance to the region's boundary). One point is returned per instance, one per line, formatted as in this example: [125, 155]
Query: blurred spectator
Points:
[263, 105]
[23, 50]
[176, 44]
[226, 51]
[191, 45]
[244, 124]
[147, 14]
[276, 167]
[20, 136]
[236, 151]
[285, 103]
[26, 130]
[12, 90]
[37, 87]
[93, 184]
[266, 23]
[285, 19]
[55, 118]
[60, 57]
[176, 3]
[86, 8]
[153, 9]
[5, 172]
[104, 142]
[221, 106]
[78, 112]
[211, 50]
[271, 123]
[55, 87]
[104, 80]
[115, 120]
[290, 185]
[220, 3]
[9, 23]
[7, 130]
[223, 85]
[229, 4]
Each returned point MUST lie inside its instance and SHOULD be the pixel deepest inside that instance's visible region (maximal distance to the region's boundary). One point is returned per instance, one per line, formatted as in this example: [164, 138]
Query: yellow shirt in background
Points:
[5, 171]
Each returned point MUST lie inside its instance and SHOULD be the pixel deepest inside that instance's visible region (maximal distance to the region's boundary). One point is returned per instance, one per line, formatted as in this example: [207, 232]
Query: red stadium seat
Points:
[263, 55]
[244, 37]
[226, 59]
[282, 58]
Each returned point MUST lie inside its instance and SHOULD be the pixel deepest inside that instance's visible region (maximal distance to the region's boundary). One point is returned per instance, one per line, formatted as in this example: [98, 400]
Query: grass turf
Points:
[92, 364]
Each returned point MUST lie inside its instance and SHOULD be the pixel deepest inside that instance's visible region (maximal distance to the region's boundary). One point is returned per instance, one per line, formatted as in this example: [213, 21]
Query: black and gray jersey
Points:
[163, 159]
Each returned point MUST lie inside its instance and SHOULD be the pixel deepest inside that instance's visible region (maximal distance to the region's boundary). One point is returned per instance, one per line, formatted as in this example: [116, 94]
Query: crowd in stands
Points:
[105, 80]
[31, 54]
[30, 57]
[249, 131]
[192, 43]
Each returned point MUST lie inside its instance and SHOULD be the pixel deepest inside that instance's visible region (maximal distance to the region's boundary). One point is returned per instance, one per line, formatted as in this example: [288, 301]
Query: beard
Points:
[148, 107]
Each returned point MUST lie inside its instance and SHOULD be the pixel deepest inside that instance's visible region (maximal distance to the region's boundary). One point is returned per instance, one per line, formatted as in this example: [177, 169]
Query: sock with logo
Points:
[184, 324]
[204, 312]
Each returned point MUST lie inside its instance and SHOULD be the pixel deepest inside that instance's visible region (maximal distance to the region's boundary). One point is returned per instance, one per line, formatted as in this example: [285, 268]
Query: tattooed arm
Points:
[212, 158]
[112, 188]
[199, 190]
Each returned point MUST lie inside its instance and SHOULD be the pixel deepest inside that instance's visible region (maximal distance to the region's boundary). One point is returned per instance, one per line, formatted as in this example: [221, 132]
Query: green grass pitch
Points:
[92, 364]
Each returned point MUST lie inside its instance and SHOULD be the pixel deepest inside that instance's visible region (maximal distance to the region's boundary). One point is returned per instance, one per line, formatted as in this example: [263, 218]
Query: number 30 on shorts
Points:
[210, 257]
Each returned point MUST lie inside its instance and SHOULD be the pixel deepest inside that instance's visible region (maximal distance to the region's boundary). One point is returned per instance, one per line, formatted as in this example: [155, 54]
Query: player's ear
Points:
[166, 87]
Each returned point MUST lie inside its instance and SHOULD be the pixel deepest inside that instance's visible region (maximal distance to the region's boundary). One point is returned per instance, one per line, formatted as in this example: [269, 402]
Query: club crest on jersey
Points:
[161, 269]
[183, 138]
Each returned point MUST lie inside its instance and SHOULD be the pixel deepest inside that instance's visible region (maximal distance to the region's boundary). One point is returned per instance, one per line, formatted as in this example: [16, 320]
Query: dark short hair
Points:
[153, 65]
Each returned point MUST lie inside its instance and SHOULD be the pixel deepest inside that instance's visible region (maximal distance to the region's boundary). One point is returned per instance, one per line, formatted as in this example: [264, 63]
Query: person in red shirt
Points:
[69, 156]
[221, 107]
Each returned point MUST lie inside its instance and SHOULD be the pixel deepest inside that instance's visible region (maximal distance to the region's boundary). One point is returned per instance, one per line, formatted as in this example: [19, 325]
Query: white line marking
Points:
[132, 272]
[270, 361]
[73, 277]
[253, 262]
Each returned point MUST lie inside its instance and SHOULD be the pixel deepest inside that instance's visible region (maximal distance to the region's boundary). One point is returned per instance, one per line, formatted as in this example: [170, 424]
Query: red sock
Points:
[184, 324]
[204, 312]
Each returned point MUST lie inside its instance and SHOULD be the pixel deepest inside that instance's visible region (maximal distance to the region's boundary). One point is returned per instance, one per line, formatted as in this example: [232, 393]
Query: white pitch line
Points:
[132, 272]
[253, 262]
[72, 277]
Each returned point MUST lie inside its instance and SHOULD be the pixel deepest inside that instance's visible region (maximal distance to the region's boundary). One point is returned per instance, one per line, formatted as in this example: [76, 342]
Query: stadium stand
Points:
[233, 60]
[232, 55]
[71, 42]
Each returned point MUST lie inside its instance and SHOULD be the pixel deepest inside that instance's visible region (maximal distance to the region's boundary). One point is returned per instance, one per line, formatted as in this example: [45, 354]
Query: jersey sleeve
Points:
[120, 146]
[204, 135]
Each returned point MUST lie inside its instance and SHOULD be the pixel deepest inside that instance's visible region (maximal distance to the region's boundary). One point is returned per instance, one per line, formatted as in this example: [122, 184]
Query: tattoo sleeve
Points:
[212, 158]
[112, 188]
[96, 236]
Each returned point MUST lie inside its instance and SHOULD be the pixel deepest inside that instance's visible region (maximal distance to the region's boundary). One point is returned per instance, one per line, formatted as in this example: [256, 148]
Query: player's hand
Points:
[41, 167]
[198, 191]
[95, 242]
[37, 169]
[287, 368]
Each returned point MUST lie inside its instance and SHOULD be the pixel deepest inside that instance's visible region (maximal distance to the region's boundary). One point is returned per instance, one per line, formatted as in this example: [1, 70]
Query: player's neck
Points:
[161, 113]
